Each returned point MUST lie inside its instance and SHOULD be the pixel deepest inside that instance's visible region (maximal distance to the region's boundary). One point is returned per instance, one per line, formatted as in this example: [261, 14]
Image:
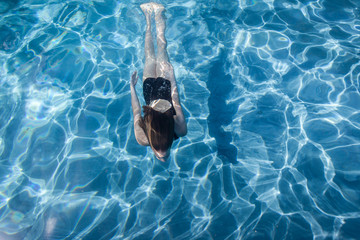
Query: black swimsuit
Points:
[158, 88]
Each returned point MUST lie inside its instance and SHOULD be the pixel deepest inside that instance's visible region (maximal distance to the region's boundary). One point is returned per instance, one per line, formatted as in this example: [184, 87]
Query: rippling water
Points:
[270, 90]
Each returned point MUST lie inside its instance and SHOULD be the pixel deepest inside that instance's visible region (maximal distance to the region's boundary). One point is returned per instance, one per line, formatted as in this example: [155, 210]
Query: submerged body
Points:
[163, 116]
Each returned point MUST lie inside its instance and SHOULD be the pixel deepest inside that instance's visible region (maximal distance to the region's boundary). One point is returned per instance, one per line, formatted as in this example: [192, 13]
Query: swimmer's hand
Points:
[134, 78]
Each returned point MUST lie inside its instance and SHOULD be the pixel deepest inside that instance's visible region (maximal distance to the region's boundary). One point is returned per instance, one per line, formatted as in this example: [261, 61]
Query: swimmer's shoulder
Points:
[140, 135]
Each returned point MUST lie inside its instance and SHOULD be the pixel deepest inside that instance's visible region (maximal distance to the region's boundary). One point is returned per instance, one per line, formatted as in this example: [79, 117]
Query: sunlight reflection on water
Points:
[270, 90]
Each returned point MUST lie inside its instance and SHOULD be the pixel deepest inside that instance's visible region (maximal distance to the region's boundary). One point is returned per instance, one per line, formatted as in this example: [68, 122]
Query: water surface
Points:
[270, 90]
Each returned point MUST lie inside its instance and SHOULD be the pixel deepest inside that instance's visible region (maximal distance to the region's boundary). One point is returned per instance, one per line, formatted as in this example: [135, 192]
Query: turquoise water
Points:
[270, 91]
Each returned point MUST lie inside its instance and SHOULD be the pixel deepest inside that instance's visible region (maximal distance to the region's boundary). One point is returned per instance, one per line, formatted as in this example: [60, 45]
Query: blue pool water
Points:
[270, 90]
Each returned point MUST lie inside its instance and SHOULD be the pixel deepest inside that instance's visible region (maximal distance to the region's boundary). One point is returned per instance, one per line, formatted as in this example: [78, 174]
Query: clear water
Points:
[270, 90]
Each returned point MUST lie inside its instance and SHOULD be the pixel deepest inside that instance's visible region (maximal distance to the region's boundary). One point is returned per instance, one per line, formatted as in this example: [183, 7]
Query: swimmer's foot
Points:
[158, 9]
[147, 9]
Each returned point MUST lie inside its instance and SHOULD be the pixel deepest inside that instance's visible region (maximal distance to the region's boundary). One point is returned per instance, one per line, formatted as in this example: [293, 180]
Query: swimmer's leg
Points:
[150, 60]
[165, 69]
[163, 66]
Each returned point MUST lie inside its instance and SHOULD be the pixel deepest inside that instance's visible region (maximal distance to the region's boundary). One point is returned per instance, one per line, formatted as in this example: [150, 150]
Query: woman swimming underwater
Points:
[163, 119]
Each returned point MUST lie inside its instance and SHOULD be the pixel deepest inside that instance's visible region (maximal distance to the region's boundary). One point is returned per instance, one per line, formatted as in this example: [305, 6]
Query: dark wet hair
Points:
[158, 128]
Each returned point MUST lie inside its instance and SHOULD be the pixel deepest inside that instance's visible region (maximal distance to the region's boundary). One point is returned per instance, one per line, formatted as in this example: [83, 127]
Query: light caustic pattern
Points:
[270, 90]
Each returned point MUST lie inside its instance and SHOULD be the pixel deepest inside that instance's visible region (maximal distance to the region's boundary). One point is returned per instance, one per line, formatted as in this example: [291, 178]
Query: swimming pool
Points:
[270, 90]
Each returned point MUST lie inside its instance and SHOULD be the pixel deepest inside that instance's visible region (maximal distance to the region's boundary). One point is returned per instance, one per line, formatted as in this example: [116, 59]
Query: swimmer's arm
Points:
[139, 132]
[180, 123]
